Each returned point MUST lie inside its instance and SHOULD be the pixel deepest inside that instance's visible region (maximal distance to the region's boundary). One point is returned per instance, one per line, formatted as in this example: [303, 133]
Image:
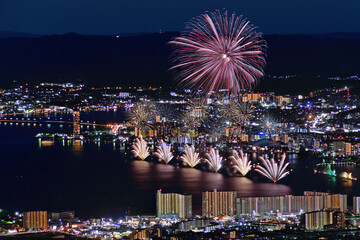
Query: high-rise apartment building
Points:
[76, 123]
[35, 220]
[348, 148]
[217, 204]
[173, 204]
[59, 216]
[254, 96]
[318, 219]
[291, 204]
[342, 148]
[339, 220]
[356, 205]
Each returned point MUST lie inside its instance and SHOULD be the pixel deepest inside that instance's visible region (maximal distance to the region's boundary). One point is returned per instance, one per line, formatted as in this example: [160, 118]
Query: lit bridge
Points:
[114, 128]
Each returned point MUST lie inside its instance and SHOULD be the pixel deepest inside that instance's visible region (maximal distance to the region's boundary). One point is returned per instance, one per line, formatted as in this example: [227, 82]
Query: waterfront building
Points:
[290, 204]
[173, 205]
[218, 204]
[35, 220]
[76, 123]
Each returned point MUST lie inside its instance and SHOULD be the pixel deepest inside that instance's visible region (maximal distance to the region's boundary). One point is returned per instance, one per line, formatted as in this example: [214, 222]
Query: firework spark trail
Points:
[241, 162]
[239, 113]
[164, 152]
[243, 112]
[215, 129]
[273, 171]
[189, 122]
[140, 148]
[219, 51]
[268, 124]
[195, 113]
[190, 157]
[198, 109]
[141, 115]
[213, 159]
[166, 111]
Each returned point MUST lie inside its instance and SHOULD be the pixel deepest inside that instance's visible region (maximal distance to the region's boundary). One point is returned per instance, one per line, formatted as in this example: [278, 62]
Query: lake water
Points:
[101, 181]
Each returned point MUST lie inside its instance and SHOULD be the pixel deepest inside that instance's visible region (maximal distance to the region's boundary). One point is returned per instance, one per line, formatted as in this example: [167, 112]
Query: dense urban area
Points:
[224, 134]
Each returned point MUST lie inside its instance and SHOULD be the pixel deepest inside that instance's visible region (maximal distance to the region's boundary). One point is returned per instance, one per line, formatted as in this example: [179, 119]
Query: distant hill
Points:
[143, 60]
[339, 35]
[9, 34]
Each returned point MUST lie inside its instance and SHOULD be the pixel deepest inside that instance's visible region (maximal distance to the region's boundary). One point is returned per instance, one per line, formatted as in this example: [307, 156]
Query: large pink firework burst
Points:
[219, 52]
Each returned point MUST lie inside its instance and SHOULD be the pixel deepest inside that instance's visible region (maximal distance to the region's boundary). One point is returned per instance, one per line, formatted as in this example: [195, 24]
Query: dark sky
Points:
[120, 16]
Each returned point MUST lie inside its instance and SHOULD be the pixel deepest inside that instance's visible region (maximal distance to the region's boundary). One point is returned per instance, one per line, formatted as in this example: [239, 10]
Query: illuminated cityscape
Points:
[186, 123]
[232, 150]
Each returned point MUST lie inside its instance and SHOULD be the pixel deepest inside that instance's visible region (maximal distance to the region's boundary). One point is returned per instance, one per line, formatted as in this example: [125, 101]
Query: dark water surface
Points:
[100, 181]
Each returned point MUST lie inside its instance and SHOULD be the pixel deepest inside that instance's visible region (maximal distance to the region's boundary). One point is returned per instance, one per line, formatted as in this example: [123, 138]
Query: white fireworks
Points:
[268, 125]
[190, 157]
[214, 159]
[195, 113]
[141, 115]
[272, 170]
[140, 148]
[241, 162]
[163, 152]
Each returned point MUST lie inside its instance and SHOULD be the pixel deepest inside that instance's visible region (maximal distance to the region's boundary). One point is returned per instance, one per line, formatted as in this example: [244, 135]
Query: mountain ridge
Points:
[144, 60]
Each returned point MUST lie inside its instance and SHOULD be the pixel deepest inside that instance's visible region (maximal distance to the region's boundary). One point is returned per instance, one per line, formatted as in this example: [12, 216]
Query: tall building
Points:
[253, 96]
[76, 123]
[140, 234]
[339, 220]
[61, 215]
[318, 219]
[35, 220]
[285, 138]
[173, 204]
[342, 148]
[217, 204]
[287, 204]
[348, 148]
[356, 205]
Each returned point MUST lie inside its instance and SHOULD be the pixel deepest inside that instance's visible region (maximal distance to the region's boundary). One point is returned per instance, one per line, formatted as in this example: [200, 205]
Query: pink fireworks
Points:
[219, 52]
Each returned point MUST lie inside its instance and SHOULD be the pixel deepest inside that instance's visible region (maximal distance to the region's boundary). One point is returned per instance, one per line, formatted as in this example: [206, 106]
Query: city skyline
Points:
[179, 119]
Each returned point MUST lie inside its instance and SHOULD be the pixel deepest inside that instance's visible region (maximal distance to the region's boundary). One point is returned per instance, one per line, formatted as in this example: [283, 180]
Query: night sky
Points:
[132, 16]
